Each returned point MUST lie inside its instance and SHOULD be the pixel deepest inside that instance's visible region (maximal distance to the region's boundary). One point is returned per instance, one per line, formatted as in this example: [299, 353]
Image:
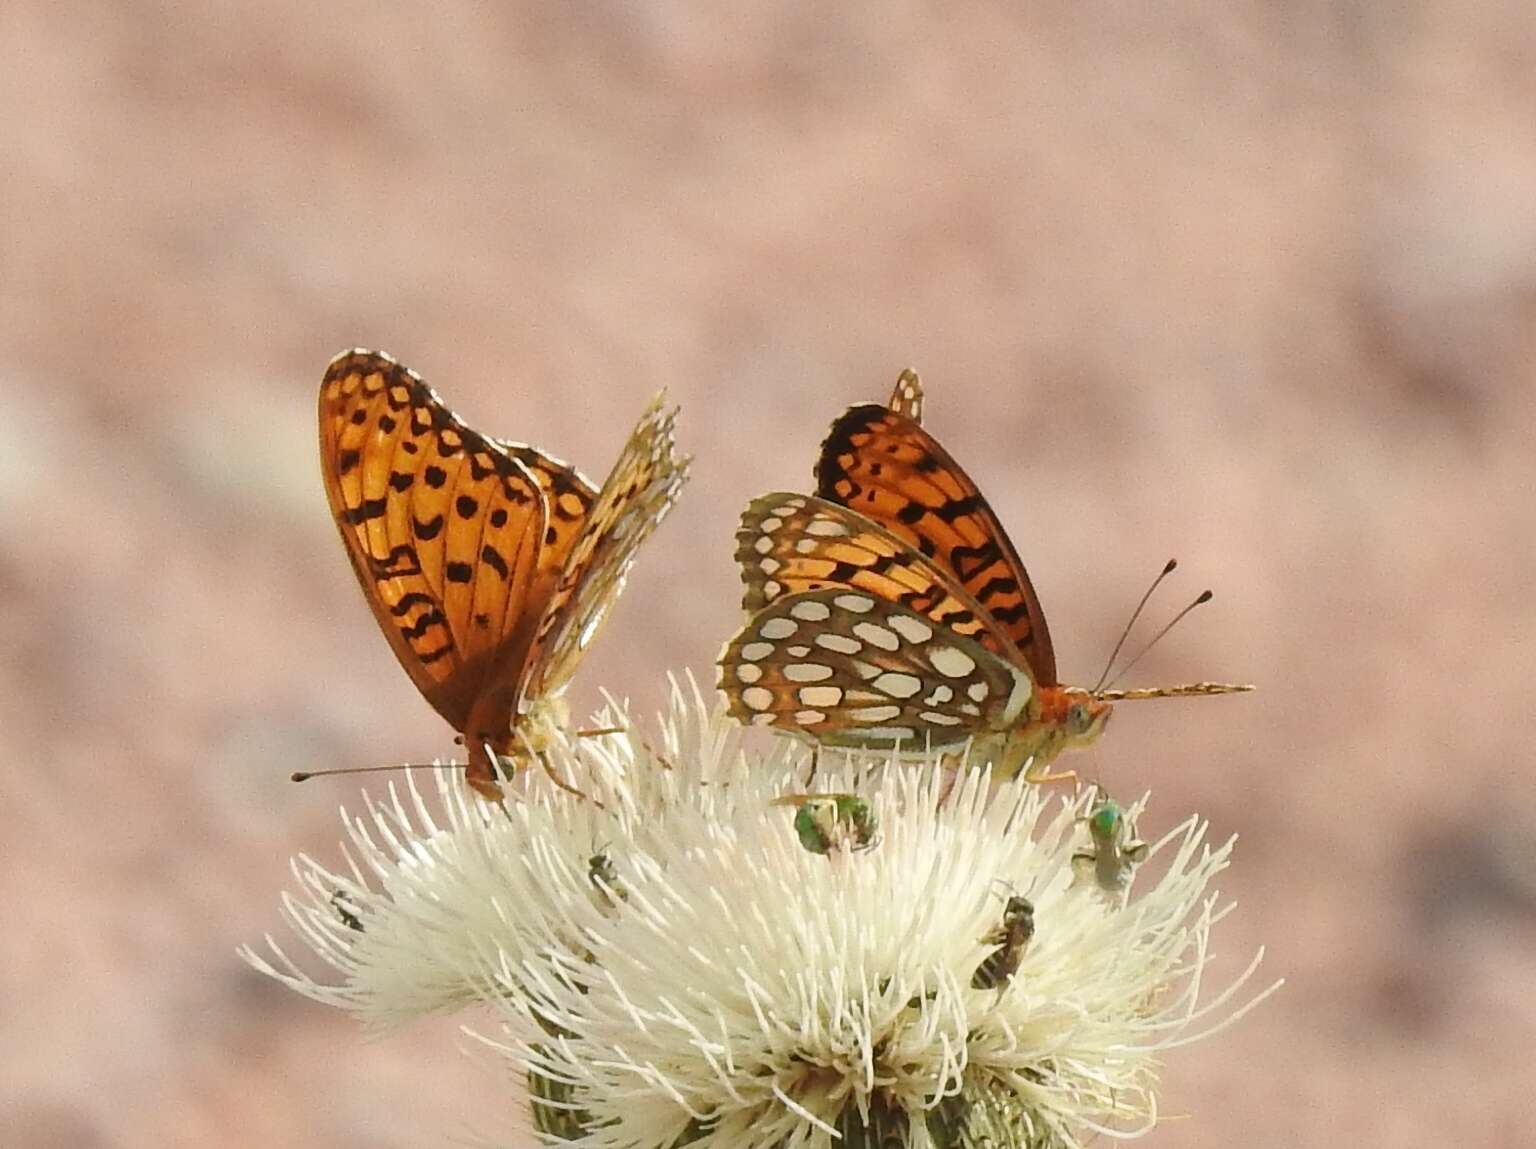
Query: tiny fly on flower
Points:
[347, 910]
[602, 873]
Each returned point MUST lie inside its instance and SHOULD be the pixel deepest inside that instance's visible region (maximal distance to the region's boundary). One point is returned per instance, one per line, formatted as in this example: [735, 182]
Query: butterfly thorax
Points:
[1058, 718]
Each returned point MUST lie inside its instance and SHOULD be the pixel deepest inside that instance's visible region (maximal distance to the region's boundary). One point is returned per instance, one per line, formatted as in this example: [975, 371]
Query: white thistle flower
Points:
[669, 964]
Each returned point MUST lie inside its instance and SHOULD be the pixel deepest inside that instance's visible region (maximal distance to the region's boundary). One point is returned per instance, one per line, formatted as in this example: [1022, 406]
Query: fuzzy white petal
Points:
[672, 965]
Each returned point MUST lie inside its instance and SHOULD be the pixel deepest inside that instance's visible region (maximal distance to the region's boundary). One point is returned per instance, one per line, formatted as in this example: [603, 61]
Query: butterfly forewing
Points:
[636, 496]
[568, 499]
[848, 669]
[788, 544]
[442, 526]
[882, 464]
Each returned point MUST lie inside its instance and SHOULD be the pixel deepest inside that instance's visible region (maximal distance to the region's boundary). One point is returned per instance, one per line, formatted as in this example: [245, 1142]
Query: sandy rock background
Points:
[1249, 283]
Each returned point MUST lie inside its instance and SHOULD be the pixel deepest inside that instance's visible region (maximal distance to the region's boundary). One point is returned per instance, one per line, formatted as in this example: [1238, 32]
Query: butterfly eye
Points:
[1079, 718]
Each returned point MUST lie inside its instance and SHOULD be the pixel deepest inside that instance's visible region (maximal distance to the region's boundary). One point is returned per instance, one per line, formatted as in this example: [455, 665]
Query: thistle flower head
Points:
[706, 951]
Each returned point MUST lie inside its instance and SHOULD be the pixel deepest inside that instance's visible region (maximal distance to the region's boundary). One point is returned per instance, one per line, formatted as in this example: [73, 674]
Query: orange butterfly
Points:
[892, 609]
[489, 565]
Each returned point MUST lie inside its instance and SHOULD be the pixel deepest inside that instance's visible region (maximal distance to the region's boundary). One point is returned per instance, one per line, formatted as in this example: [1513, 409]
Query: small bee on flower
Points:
[1007, 941]
[826, 823]
[1113, 852]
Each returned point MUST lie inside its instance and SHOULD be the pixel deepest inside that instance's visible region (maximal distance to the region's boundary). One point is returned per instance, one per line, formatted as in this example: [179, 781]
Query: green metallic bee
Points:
[1114, 850]
[832, 822]
[1008, 940]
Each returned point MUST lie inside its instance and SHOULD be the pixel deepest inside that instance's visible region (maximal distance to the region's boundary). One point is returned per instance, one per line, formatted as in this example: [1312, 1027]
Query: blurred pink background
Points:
[1248, 283]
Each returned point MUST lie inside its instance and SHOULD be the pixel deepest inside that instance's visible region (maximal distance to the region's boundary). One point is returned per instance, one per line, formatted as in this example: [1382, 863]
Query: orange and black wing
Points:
[885, 466]
[443, 526]
[568, 499]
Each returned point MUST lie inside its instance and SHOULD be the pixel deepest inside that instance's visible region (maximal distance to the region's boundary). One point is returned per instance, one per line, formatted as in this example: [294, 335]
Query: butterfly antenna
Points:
[1135, 614]
[306, 775]
[1205, 596]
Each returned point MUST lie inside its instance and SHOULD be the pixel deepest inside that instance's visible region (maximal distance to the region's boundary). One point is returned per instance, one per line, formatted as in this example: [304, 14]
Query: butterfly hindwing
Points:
[907, 396]
[443, 527]
[636, 496]
[848, 669]
[788, 544]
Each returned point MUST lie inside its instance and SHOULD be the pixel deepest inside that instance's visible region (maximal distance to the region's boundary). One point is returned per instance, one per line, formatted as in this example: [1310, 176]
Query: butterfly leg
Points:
[1041, 772]
[541, 727]
[542, 759]
[489, 770]
[635, 736]
[563, 784]
[661, 759]
[601, 731]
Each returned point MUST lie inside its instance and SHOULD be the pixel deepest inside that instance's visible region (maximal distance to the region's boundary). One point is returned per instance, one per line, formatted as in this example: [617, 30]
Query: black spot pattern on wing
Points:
[888, 468]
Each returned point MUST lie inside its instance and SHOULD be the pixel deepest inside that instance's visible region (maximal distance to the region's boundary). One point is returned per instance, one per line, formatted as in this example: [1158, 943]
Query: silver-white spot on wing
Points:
[825, 528]
[910, 627]
[898, 685]
[840, 643]
[811, 611]
[807, 672]
[949, 661]
[777, 629]
[878, 672]
[877, 635]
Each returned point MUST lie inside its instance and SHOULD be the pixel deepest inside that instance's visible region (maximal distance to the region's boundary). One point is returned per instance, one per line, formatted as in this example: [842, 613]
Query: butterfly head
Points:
[1060, 718]
[1080, 716]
